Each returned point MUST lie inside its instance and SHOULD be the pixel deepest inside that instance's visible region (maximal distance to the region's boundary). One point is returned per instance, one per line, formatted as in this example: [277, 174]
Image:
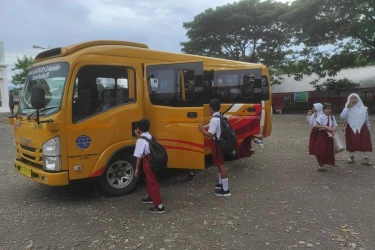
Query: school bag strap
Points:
[148, 140]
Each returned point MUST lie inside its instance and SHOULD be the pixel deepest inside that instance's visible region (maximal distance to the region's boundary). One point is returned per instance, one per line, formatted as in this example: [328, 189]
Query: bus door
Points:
[243, 94]
[174, 105]
[102, 106]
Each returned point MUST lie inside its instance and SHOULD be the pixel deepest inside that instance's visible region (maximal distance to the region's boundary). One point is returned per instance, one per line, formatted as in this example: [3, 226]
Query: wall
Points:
[4, 93]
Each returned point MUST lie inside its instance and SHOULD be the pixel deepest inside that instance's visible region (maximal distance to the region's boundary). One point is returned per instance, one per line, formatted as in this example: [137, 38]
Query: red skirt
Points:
[358, 141]
[321, 145]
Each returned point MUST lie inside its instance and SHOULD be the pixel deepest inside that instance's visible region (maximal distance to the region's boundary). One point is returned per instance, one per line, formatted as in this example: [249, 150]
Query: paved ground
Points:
[279, 202]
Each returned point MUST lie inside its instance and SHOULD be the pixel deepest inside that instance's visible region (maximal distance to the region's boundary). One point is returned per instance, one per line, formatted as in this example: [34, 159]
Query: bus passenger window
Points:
[100, 88]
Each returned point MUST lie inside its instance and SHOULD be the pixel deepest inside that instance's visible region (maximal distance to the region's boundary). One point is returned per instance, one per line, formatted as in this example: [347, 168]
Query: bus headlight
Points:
[52, 163]
[51, 154]
[52, 147]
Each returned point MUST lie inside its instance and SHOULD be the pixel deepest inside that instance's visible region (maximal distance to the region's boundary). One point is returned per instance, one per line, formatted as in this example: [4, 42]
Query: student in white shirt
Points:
[316, 111]
[142, 150]
[321, 142]
[357, 128]
[222, 188]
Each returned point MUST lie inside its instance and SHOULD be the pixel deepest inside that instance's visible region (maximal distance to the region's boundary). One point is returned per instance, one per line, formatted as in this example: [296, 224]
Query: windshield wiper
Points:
[21, 113]
[33, 113]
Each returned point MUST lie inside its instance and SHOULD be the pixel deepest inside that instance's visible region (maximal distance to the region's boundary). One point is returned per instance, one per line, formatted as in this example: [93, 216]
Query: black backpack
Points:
[228, 138]
[159, 156]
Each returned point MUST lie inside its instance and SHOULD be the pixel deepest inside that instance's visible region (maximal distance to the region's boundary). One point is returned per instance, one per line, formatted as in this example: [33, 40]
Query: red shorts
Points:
[217, 156]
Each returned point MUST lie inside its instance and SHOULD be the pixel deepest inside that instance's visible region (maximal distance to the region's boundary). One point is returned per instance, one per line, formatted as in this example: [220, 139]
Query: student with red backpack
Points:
[142, 150]
[214, 130]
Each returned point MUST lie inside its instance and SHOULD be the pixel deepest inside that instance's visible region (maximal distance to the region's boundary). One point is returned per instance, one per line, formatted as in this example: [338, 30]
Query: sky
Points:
[51, 24]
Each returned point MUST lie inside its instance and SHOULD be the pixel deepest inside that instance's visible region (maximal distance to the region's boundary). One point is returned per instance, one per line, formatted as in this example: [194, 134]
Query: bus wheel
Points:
[118, 177]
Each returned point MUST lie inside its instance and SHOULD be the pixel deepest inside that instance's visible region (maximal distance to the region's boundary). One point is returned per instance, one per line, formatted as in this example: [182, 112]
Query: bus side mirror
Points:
[38, 99]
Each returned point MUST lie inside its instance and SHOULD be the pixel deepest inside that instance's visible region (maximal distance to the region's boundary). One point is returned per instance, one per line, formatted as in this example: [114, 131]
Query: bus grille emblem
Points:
[26, 141]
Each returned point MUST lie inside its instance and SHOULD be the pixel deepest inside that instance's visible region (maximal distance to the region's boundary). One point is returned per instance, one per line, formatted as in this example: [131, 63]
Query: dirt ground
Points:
[279, 201]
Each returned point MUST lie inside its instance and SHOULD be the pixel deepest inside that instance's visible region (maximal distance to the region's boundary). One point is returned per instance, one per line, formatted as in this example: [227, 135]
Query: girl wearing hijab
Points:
[321, 143]
[316, 111]
[357, 128]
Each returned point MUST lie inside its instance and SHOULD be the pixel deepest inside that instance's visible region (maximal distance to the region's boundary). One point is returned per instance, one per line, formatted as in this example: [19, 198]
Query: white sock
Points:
[220, 180]
[160, 206]
[225, 184]
[351, 154]
[364, 155]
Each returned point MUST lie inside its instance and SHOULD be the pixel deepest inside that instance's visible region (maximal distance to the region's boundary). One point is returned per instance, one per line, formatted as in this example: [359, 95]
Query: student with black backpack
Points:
[214, 130]
[142, 150]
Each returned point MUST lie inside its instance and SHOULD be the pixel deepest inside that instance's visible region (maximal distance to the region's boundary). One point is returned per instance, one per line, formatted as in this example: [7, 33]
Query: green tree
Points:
[22, 67]
[247, 30]
[333, 35]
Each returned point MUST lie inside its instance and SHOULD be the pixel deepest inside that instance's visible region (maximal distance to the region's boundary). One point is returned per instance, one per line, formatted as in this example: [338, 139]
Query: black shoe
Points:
[218, 186]
[146, 200]
[191, 178]
[157, 210]
[223, 193]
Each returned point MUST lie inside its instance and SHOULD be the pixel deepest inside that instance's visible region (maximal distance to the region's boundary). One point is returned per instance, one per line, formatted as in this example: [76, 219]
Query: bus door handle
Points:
[251, 109]
[192, 115]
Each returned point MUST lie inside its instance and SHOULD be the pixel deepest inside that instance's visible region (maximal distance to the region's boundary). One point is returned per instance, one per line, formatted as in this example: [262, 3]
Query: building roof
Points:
[365, 76]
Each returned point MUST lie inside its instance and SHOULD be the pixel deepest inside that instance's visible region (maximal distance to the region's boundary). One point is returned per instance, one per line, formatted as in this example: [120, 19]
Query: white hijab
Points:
[357, 114]
[319, 109]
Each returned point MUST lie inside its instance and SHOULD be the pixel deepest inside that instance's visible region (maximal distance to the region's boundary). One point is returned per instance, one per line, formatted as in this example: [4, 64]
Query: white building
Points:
[284, 94]
[4, 93]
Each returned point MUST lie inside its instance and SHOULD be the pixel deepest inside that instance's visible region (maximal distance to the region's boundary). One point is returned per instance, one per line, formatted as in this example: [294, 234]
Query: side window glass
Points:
[162, 87]
[227, 87]
[265, 88]
[208, 82]
[176, 85]
[101, 88]
[186, 84]
[248, 85]
[245, 86]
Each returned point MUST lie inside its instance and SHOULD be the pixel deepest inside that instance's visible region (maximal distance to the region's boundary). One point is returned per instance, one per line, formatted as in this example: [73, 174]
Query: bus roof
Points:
[134, 50]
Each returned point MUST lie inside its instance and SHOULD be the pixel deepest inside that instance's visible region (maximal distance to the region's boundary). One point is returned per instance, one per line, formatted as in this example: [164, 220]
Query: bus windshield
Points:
[52, 78]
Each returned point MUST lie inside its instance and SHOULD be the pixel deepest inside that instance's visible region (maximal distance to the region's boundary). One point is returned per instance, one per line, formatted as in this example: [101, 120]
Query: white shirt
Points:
[215, 126]
[324, 119]
[142, 147]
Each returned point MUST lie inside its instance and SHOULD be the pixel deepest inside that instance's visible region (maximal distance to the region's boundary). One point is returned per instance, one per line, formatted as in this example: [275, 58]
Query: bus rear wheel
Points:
[118, 178]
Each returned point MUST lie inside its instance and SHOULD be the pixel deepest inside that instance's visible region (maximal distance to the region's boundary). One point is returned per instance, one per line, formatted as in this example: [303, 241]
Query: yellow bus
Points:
[80, 104]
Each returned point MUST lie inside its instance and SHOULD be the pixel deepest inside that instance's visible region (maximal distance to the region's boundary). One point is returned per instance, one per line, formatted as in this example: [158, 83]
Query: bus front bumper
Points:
[46, 178]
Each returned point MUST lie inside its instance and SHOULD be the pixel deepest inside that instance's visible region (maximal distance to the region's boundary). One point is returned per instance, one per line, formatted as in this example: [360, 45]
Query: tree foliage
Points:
[247, 30]
[334, 34]
[22, 67]
[300, 38]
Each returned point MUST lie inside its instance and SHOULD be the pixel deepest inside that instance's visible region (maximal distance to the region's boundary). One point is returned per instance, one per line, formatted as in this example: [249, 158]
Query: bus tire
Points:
[118, 177]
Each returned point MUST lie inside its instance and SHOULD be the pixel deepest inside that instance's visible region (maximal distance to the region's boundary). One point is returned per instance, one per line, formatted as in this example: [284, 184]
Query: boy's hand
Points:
[136, 172]
[200, 127]
[137, 132]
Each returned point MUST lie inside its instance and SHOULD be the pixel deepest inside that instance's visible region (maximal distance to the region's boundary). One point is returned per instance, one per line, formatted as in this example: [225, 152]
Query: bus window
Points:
[242, 86]
[185, 84]
[208, 82]
[175, 85]
[265, 88]
[100, 88]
